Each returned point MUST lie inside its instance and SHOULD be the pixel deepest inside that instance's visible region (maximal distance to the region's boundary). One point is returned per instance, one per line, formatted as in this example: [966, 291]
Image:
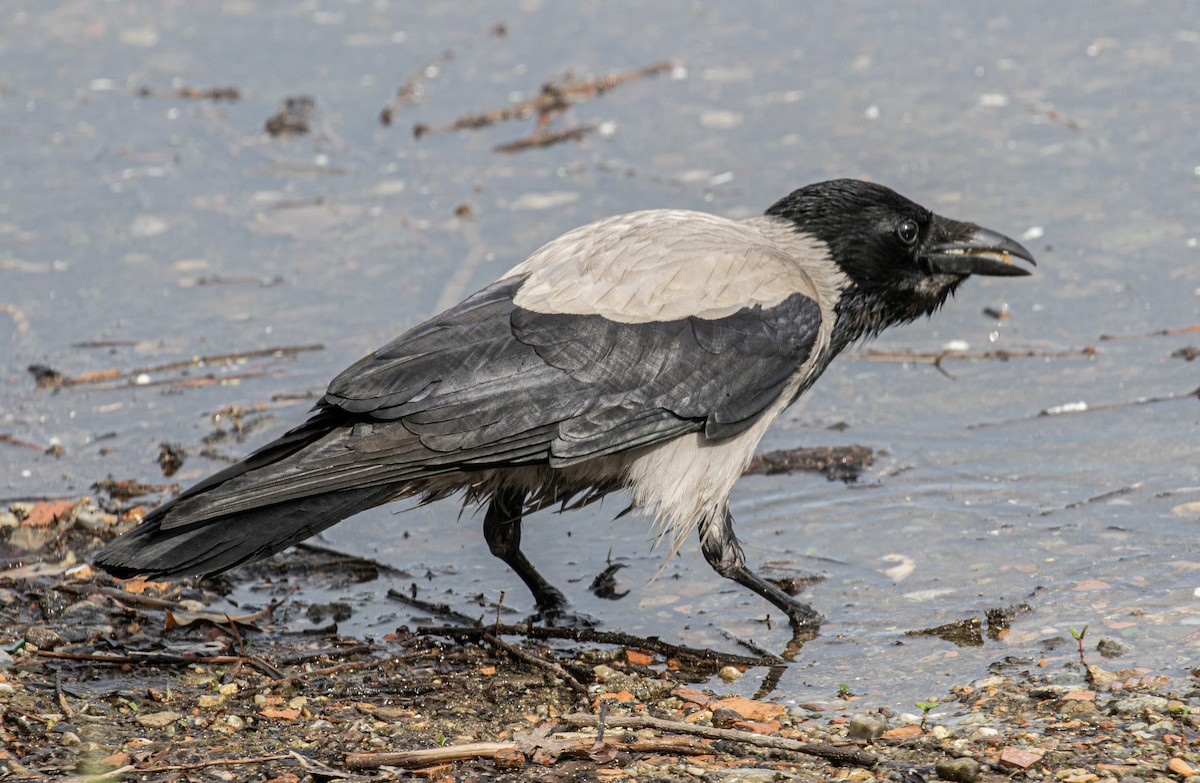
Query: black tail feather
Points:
[213, 545]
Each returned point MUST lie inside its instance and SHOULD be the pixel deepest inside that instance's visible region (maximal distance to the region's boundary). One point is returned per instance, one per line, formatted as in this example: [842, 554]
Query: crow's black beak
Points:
[983, 252]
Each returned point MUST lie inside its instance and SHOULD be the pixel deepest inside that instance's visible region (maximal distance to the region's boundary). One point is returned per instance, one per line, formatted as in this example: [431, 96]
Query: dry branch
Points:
[836, 755]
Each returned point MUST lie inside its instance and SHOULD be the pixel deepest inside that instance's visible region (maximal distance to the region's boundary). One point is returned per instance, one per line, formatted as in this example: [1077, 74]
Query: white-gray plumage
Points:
[647, 352]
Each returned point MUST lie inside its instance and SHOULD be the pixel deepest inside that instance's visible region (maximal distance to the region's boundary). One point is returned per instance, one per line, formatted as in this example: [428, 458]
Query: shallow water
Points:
[1075, 130]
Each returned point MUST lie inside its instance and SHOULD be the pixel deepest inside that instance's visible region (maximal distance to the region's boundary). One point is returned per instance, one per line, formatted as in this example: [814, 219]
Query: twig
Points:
[5, 502]
[429, 606]
[335, 652]
[62, 697]
[1001, 354]
[1156, 333]
[215, 763]
[348, 666]
[1097, 498]
[168, 660]
[124, 597]
[13, 441]
[552, 99]
[101, 376]
[216, 94]
[427, 757]
[836, 755]
[552, 666]
[1085, 408]
[654, 644]
[575, 747]
[540, 138]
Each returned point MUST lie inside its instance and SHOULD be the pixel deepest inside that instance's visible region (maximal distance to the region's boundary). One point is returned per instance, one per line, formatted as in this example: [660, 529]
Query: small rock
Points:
[730, 673]
[8, 519]
[725, 718]
[1181, 767]
[159, 720]
[42, 638]
[6, 660]
[1016, 758]
[209, 700]
[603, 673]
[744, 775]
[963, 770]
[1111, 648]
[94, 520]
[1136, 705]
[70, 739]
[866, 727]
[31, 539]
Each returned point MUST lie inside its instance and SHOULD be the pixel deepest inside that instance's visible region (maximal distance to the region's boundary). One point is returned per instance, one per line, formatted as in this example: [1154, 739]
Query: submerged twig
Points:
[47, 378]
[1083, 407]
[1155, 333]
[540, 138]
[554, 98]
[1096, 498]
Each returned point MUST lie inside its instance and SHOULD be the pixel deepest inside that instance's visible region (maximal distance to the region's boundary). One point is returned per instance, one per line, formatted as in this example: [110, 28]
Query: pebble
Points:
[42, 638]
[159, 720]
[6, 660]
[1181, 767]
[8, 519]
[866, 727]
[94, 520]
[730, 673]
[1111, 648]
[963, 770]
[1135, 705]
[746, 775]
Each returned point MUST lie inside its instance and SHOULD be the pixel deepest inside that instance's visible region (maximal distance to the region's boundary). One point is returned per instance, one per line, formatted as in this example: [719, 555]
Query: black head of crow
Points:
[647, 352]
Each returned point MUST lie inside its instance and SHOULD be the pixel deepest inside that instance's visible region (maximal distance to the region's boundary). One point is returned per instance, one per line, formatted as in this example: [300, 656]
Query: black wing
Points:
[491, 383]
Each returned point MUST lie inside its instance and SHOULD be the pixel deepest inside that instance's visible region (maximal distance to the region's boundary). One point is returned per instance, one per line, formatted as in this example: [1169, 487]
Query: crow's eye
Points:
[907, 231]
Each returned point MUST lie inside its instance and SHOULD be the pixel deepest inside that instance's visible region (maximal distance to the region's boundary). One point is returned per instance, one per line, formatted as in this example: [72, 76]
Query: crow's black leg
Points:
[502, 529]
[724, 554]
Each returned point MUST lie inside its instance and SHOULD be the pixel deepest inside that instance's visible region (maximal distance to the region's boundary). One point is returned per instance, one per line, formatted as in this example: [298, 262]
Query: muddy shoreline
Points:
[101, 680]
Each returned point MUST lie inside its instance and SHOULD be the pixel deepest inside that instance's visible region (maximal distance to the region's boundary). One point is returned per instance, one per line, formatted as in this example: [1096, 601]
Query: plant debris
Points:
[293, 117]
[838, 463]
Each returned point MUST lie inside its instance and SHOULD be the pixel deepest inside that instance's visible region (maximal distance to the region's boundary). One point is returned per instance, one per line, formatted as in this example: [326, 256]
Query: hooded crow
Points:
[647, 352]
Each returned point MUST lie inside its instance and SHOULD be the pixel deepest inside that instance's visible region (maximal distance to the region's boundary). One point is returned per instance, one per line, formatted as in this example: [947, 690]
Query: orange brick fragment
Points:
[282, 714]
[749, 708]
[1079, 696]
[1016, 758]
[692, 695]
[1181, 767]
[639, 658]
[47, 513]
[902, 732]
